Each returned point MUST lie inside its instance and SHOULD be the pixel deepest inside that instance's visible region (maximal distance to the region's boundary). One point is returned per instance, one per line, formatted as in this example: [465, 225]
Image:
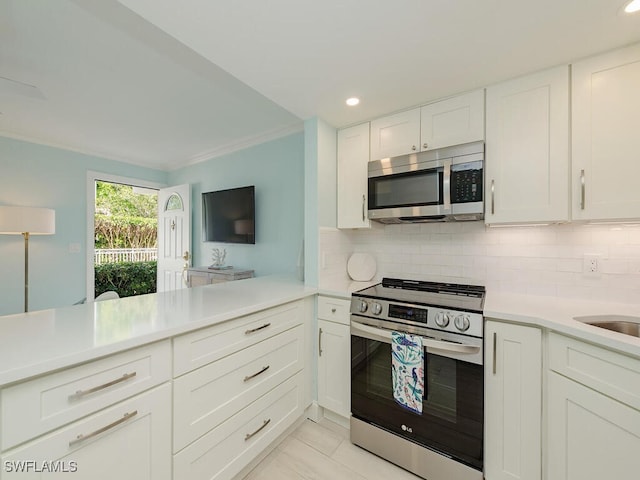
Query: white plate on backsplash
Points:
[361, 267]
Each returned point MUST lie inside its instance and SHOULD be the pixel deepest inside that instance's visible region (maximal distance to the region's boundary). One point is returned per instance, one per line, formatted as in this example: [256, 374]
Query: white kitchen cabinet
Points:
[334, 350]
[605, 140]
[352, 161]
[452, 121]
[593, 419]
[238, 385]
[396, 134]
[513, 402]
[527, 149]
[590, 435]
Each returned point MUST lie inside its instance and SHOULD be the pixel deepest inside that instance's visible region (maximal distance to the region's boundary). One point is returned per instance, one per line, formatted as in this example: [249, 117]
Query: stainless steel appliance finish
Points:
[446, 440]
[432, 186]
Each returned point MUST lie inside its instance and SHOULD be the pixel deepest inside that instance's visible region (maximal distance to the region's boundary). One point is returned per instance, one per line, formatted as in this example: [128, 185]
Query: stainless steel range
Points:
[443, 439]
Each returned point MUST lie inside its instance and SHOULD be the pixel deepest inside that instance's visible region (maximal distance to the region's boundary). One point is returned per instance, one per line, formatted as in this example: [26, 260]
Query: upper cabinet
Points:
[352, 158]
[448, 122]
[527, 149]
[395, 135]
[452, 121]
[605, 139]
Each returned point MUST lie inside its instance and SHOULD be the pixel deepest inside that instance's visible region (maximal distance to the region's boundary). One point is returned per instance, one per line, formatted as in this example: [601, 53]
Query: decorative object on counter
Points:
[27, 221]
[361, 267]
[218, 256]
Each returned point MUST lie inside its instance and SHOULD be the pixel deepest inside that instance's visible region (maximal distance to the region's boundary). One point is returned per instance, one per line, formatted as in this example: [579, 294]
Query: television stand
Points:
[197, 276]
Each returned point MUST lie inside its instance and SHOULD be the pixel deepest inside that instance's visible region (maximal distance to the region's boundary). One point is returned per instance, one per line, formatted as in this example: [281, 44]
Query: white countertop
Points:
[557, 314]
[38, 342]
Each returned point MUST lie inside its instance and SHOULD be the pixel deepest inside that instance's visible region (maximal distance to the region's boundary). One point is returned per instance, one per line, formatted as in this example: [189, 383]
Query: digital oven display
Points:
[408, 313]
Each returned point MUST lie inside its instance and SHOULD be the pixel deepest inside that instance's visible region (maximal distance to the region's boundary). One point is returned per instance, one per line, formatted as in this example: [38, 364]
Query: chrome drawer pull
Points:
[319, 342]
[82, 438]
[264, 424]
[249, 332]
[82, 393]
[495, 353]
[582, 190]
[249, 377]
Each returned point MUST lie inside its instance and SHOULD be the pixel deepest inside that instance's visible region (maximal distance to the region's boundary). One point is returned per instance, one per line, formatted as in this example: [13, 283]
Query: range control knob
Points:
[362, 306]
[442, 319]
[376, 308]
[462, 322]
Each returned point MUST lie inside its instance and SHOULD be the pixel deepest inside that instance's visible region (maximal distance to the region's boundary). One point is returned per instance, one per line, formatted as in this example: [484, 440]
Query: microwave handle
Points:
[446, 185]
[384, 335]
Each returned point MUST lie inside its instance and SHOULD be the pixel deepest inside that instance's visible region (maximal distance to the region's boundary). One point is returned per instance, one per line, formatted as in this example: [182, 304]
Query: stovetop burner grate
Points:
[435, 287]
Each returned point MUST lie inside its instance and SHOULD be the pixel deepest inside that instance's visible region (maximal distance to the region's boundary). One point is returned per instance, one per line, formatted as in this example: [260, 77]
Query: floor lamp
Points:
[27, 221]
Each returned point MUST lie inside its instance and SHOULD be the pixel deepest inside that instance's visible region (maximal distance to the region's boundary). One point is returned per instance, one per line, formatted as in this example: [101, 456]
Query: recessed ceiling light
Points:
[353, 101]
[632, 7]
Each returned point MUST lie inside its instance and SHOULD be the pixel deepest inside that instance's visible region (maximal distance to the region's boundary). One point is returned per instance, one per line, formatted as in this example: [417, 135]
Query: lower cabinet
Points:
[593, 419]
[238, 386]
[129, 440]
[334, 373]
[591, 436]
[513, 402]
[227, 449]
[334, 355]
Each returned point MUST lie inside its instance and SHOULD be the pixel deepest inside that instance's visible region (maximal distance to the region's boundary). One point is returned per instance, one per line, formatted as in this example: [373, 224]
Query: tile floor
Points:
[322, 451]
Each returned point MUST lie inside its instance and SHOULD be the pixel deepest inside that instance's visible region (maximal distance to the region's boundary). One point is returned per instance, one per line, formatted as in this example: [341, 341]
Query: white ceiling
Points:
[177, 82]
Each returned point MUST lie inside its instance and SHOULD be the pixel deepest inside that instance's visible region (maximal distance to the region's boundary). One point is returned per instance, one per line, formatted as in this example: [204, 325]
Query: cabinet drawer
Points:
[204, 346]
[40, 405]
[334, 309]
[127, 441]
[227, 449]
[206, 397]
[608, 372]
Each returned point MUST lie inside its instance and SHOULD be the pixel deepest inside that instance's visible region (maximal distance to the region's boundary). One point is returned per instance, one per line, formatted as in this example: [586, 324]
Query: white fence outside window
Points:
[114, 255]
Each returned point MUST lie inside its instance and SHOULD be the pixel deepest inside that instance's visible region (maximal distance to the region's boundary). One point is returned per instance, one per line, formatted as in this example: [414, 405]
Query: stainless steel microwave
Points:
[433, 186]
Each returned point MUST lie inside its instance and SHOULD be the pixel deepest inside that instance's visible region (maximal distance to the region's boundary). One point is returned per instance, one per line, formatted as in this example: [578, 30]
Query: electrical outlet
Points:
[591, 265]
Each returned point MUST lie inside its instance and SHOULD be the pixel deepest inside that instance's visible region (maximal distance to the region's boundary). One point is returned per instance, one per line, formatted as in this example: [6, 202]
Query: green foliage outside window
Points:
[126, 278]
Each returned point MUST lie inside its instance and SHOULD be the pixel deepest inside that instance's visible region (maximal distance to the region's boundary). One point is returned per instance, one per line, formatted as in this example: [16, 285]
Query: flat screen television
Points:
[228, 216]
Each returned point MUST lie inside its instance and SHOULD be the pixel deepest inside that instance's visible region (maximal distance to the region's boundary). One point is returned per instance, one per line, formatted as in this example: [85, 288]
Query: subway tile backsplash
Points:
[542, 260]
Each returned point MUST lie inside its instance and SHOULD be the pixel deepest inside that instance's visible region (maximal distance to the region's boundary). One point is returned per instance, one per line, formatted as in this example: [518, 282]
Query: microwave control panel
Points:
[466, 182]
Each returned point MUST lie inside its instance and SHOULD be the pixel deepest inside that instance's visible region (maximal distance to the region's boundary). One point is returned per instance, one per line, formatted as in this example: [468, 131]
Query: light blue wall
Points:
[276, 168]
[40, 176]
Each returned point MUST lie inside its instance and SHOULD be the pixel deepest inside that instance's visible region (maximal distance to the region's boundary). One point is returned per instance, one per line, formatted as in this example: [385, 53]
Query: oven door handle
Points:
[384, 335]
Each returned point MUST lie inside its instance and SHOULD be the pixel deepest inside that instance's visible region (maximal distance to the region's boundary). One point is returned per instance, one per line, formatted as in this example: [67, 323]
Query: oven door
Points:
[451, 422]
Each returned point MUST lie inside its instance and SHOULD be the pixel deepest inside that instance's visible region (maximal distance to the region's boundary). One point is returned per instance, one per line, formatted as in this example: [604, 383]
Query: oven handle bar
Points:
[383, 335]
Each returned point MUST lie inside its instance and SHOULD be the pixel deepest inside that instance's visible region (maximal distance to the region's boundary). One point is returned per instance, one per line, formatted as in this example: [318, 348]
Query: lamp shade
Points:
[35, 221]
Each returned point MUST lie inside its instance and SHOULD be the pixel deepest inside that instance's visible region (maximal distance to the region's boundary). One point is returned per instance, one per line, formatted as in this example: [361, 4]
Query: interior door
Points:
[174, 237]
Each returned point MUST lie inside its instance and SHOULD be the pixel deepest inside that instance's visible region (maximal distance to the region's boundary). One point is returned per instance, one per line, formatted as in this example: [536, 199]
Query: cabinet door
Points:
[590, 436]
[513, 402]
[334, 367]
[605, 140]
[395, 135]
[527, 149]
[128, 441]
[353, 157]
[452, 121]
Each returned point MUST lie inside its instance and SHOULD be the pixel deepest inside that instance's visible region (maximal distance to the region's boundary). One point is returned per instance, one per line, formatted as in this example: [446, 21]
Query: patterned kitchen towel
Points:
[407, 364]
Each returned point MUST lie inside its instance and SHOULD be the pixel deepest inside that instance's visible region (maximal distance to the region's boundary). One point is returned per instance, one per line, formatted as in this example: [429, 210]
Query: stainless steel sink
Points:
[625, 324]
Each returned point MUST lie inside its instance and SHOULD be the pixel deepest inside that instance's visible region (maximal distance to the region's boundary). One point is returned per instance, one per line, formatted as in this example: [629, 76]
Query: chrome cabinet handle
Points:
[363, 202]
[493, 201]
[81, 438]
[582, 190]
[333, 310]
[319, 342]
[264, 424]
[425, 146]
[413, 147]
[249, 377]
[495, 353]
[253, 330]
[81, 393]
